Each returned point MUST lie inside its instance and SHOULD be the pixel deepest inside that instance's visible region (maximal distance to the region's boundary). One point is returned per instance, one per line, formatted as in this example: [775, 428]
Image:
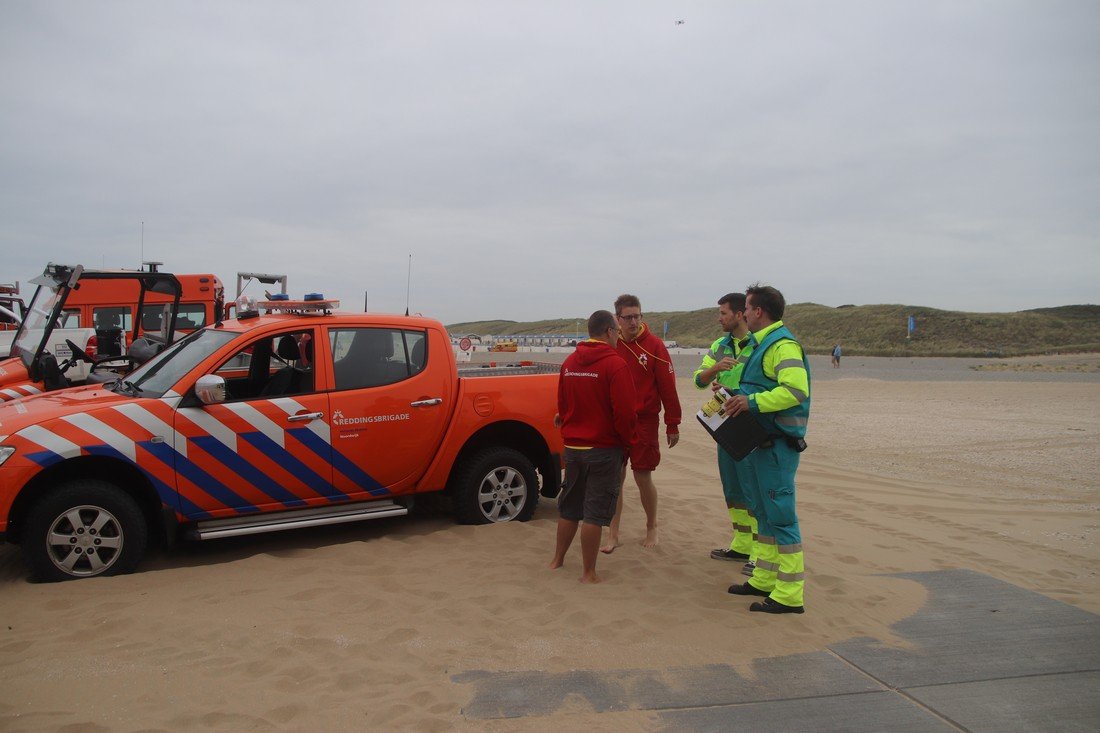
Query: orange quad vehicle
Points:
[293, 417]
[93, 325]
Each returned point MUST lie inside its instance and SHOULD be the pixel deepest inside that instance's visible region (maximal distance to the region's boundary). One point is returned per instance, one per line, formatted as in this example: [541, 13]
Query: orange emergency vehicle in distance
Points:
[293, 418]
[112, 304]
[89, 320]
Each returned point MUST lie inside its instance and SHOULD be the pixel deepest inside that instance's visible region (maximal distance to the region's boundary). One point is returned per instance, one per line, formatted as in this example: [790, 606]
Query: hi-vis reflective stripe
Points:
[253, 447]
[241, 458]
[14, 393]
[796, 393]
[247, 471]
[258, 420]
[104, 432]
[154, 425]
[56, 446]
[790, 577]
[209, 425]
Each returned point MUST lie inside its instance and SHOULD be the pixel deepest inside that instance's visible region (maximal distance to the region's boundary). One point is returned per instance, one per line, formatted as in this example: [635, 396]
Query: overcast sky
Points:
[536, 159]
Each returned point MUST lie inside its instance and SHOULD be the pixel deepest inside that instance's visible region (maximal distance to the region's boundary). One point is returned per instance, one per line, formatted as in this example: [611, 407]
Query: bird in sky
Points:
[680, 22]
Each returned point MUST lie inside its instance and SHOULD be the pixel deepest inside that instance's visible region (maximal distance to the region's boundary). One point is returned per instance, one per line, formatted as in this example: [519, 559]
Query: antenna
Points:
[408, 285]
[142, 242]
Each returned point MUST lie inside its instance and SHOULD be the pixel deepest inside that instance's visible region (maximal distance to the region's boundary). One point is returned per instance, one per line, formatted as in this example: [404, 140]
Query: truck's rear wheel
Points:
[83, 529]
[496, 485]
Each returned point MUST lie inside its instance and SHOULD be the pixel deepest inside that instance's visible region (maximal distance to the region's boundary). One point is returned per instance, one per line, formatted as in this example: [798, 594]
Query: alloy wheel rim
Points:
[84, 540]
[502, 494]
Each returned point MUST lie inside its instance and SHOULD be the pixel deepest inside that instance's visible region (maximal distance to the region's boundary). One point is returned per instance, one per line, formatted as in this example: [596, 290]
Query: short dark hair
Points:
[768, 298]
[626, 300]
[599, 322]
[736, 301]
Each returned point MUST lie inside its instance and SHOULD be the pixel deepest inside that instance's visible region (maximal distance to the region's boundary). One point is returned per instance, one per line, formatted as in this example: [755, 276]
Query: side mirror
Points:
[210, 389]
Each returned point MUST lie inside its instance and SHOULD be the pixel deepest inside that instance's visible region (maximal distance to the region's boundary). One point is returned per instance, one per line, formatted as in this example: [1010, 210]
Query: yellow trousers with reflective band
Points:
[744, 531]
[767, 481]
[744, 523]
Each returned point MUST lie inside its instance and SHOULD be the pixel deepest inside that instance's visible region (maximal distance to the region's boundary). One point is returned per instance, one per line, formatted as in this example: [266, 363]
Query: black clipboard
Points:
[739, 435]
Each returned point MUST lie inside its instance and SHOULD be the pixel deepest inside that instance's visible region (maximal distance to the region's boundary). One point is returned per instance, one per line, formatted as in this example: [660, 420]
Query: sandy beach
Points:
[913, 465]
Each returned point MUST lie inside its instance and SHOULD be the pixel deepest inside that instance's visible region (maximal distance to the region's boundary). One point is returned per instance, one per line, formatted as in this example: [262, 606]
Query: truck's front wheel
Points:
[496, 485]
[84, 528]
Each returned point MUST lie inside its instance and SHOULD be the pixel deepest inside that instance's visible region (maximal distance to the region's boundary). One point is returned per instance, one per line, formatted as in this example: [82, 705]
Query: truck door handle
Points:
[427, 403]
[306, 416]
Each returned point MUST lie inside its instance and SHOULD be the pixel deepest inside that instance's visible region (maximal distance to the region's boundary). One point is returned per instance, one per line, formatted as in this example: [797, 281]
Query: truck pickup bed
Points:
[494, 369]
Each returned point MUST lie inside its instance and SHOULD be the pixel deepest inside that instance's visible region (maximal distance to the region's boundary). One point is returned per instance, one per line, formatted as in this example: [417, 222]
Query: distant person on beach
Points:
[775, 389]
[597, 416]
[721, 367]
[655, 383]
[836, 356]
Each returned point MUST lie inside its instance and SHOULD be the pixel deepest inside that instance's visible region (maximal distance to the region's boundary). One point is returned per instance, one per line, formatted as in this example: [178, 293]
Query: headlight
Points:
[6, 452]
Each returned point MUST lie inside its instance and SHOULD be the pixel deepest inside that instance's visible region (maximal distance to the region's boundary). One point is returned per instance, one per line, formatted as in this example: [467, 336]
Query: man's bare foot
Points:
[650, 538]
[591, 578]
[555, 564]
[612, 543]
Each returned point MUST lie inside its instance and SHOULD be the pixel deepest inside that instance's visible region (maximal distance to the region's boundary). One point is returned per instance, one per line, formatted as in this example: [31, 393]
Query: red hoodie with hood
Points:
[596, 398]
[654, 377]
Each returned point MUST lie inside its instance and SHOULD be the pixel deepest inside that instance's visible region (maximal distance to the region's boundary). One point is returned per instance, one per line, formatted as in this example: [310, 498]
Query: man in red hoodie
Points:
[655, 383]
[596, 413]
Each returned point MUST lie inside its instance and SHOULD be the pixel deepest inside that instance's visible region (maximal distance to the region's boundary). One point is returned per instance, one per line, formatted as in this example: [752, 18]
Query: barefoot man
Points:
[655, 382]
[596, 414]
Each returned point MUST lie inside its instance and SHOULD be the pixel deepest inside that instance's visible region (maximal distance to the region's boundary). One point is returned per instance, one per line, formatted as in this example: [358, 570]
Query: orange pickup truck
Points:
[296, 417]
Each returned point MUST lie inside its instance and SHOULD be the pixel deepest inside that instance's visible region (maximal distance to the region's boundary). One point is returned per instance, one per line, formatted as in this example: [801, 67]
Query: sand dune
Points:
[372, 626]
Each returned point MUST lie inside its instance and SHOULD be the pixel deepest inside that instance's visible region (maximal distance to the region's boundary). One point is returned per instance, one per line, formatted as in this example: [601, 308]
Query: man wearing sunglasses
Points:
[655, 382]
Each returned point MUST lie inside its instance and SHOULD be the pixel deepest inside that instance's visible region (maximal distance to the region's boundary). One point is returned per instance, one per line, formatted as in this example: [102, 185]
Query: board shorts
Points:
[593, 478]
[646, 453]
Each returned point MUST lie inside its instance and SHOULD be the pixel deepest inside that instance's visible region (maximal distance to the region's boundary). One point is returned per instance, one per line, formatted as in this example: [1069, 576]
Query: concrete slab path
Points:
[986, 656]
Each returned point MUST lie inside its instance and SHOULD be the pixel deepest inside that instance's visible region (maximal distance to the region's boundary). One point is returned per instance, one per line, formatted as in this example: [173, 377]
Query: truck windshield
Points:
[33, 329]
[160, 374]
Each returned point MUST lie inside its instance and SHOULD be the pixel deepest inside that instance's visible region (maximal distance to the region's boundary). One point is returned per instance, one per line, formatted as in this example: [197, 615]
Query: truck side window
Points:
[190, 316]
[372, 357]
[275, 366]
[417, 344]
[113, 317]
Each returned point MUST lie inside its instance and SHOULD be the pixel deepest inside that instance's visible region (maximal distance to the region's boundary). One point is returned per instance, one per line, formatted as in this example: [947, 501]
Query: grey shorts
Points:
[593, 478]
